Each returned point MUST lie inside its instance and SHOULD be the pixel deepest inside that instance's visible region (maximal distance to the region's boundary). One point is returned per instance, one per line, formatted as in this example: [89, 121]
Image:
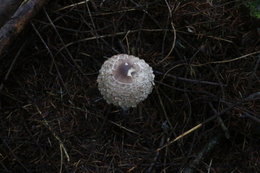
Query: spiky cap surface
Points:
[125, 80]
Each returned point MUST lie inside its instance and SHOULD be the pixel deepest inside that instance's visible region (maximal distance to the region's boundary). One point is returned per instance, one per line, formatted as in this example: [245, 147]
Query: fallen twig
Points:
[18, 21]
[221, 122]
[199, 156]
[7, 9]
[249, 98]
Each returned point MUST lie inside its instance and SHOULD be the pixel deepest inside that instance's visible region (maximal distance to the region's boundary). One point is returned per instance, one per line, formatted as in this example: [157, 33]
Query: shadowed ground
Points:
[202, 116]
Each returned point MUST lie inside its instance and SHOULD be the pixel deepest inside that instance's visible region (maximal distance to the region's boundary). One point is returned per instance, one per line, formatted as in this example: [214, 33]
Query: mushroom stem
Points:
[124, 111]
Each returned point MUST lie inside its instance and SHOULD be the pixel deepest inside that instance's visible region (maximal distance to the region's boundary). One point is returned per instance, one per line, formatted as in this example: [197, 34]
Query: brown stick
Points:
[7, 9]
[18, 21]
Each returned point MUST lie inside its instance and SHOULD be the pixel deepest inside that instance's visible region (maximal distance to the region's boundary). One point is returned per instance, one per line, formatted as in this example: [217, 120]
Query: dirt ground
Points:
[202, 116]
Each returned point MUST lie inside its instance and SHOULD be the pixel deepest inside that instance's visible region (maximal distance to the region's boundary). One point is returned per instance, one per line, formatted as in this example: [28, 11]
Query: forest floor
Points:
[202, 116]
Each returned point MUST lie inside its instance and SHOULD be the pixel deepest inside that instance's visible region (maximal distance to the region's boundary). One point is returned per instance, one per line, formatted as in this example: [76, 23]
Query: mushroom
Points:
[125, 80]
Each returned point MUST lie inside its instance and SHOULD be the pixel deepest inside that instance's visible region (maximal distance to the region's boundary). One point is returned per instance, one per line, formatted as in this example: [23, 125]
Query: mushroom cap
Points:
[125, 80]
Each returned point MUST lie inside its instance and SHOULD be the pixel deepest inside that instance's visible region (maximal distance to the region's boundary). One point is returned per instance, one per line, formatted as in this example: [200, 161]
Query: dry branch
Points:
[18, 21]
[199, 156]
[7, 9]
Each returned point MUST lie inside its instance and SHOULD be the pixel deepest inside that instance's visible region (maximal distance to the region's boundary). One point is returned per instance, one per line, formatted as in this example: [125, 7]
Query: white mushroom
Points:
[125, 80]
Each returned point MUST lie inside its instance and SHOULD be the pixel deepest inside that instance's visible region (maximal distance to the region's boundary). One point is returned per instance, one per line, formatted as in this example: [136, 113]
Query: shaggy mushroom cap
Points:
[125, 80]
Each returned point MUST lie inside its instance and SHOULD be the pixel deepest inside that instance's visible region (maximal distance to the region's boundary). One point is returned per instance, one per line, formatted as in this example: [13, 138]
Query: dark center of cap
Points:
[124, 72]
